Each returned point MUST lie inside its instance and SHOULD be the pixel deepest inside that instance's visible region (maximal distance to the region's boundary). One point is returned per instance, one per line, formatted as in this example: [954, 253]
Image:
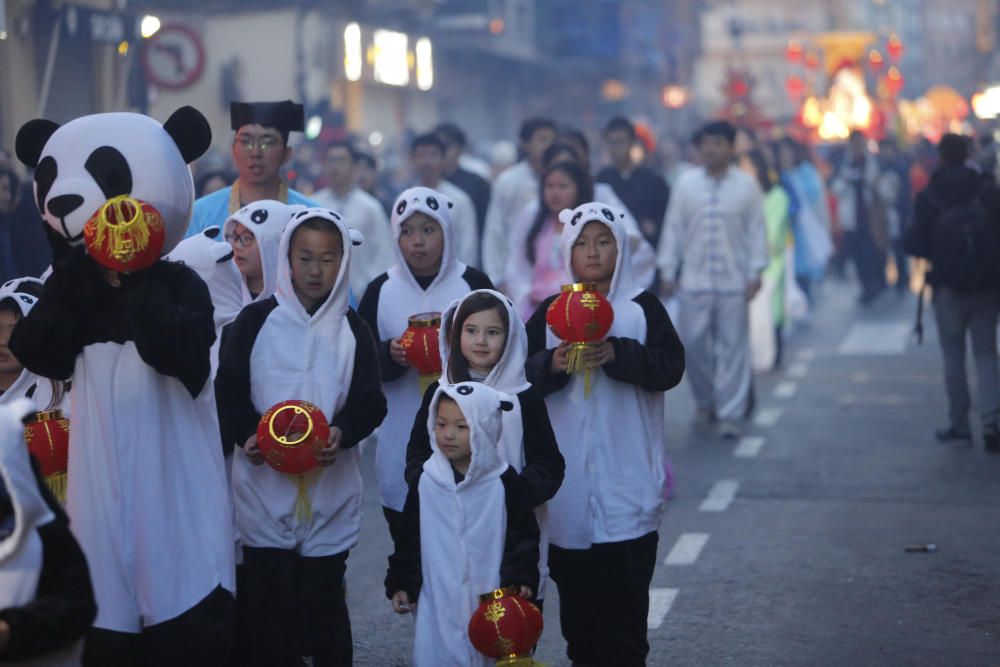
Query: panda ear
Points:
[31, 139]
[565, 215]
[190, 131]
[212, 232]
[357, 238]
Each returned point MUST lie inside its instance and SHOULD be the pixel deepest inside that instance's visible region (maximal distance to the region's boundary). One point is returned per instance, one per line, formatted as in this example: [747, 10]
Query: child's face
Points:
[452, 432]
[595, 253]
[246, 252]
[422, 241]
[8, 364]
[560, 192]
[483, 339]
[315, 257]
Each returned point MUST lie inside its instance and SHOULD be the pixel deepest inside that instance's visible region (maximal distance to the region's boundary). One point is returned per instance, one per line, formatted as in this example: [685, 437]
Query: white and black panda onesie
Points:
[527, 443]
[462, 536]
[266, 220]
[387, 305]
[45, 593]
[608, 509]
[28, 385]
[275, 351]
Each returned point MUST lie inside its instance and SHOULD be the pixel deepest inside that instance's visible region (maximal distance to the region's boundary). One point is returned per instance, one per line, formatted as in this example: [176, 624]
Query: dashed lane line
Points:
[722, 494]
[660, 602]
[786, 389]
[767, 416]
[686, 549]
[797, 371]
[749, 446]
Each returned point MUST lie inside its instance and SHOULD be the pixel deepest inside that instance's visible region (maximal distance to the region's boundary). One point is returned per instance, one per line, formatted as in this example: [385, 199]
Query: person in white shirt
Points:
[513, 189]
[361, 211]
[713, 250]
[427, 157]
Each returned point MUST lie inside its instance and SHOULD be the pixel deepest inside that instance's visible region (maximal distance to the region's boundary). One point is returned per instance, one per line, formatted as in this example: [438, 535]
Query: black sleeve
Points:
[238, 418]
[539, 364]
[917, 239]
[418, 450]
[368, 310]
[544, 465]
[171, 318]
[519, 566]
[404, 572]
[64, 606]
[476, 279]
[657, 365]
[365, 407]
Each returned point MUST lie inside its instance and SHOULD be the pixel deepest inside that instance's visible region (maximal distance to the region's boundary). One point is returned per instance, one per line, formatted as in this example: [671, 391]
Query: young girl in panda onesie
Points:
[302, 343]
[483, 339]
[254, 233]
[17, 298]
[426, 278]
[603, 521]
[46, 599]
[467, 530]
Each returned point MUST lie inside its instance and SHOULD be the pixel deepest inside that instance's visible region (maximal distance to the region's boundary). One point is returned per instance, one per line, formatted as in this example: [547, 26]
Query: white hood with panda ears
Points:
[266, 220]
[25, 302]
[623, 286]
[212, 261]
[438, 207]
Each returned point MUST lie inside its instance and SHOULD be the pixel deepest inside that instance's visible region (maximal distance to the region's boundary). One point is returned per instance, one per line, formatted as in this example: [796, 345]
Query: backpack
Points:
[965, 248]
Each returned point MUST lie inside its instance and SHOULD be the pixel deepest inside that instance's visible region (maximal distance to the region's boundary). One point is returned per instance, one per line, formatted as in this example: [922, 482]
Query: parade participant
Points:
[605, 516]
[473, 183]
[427, 278]
[302, 343]
[712, 252]
[254, 232]
[364, 211]
[147, 486]
[46, 599]
[483, 340]
[513, 189]
[427, 156]
[260, 150]
[17, 298]
[467, 529]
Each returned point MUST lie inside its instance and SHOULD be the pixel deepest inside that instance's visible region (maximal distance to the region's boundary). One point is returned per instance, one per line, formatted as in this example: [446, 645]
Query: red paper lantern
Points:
[580, 315]
[794, 86]
[894, 81]
[420, 340]
[812, 60]
[289, 435]
[875, 60]
[894, 48]
[125, 234]
[793, 52]
[505, 627]
[47, 435]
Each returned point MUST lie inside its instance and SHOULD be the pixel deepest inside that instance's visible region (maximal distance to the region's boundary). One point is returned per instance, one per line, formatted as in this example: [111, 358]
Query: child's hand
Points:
[397, 353]
[526, 592]
[598, 354]
[559, 358]
[4, 636]
[250, 448]
[401, 603]
[327, 456]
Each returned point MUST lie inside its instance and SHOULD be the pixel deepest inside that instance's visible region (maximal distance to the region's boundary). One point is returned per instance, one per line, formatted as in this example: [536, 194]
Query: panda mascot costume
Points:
[147, 485]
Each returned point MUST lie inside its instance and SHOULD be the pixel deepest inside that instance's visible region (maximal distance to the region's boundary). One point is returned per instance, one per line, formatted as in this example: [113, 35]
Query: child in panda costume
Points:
[147, 487]
[604, 519]
[427, 278]
[302, 343]
[17, 298]
[46, 600]
[467, 528]
[254, 233]
[483, 339]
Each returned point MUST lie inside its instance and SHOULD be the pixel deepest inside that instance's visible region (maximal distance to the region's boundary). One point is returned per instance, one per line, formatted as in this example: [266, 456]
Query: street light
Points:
[149, 26]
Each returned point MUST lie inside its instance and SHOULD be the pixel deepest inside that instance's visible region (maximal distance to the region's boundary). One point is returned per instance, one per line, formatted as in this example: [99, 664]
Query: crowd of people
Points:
[499, 473]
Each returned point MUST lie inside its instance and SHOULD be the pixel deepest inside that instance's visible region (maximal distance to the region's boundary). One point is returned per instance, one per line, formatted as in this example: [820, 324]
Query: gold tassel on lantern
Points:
[125, 235]
[303, 506]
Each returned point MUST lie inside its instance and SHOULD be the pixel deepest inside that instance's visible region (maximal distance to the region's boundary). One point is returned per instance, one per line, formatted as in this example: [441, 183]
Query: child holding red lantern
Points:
[303, 343]
[467, 529]
[426, 279]
[603, 521]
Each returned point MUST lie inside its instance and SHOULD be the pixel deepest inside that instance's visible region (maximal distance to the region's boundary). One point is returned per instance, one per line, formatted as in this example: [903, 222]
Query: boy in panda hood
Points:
[147, 487]
[17, 298]
[302, 343]
[466, 530]
[426, 278]
[483, 339]
[605, 516]
[46, 599]
[254, 233]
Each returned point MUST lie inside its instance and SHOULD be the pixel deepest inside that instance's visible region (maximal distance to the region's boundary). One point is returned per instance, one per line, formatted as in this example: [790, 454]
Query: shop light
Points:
[425, 64]
[391, 63]
[352, 52]
[149, 26]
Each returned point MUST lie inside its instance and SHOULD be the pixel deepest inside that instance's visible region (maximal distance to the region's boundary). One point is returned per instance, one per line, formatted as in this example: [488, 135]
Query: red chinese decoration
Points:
[420, 340]
[580, 315]
[125, 234]
[793, 52]
[289, 435]
[812, 60]
[894, 81]
[47, 435]
[895, 48]
[505, 627]
[875, 60]
[794, 86]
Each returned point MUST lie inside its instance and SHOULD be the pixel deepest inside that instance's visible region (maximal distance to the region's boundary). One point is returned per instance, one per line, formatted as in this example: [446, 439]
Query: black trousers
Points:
[295, 606]
[604, 600]
[869, 261]
[200, 637]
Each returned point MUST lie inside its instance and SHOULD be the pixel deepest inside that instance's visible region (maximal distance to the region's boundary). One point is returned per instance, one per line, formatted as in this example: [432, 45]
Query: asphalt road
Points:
[788, 547]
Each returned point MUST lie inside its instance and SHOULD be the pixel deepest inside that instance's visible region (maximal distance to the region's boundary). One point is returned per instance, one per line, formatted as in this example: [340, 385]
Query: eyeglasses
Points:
[247, 144]
[244, 240]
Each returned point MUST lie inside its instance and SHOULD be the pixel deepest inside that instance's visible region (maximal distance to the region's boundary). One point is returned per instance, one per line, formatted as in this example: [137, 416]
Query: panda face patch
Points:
[432, 203]
[259, 217]
[400, 207]
[464, 390]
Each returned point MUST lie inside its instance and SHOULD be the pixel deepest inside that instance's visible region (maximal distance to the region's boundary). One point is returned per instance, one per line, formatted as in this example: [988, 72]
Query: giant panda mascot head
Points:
[86, 162]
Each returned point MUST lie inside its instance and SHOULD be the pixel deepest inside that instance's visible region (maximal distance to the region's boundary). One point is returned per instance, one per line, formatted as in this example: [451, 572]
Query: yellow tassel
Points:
[574, 364]
[426, 381]
[303, 506]
[128, 237]
[57, 485]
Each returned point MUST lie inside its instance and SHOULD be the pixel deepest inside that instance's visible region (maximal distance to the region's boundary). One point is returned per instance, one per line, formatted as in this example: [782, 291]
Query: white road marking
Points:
[721, 495]
[797, 371]
[687, 549]
[660, 602]
[785, 389]
[876, 338]
[767, 416]
[807, 354]
[749, 447]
